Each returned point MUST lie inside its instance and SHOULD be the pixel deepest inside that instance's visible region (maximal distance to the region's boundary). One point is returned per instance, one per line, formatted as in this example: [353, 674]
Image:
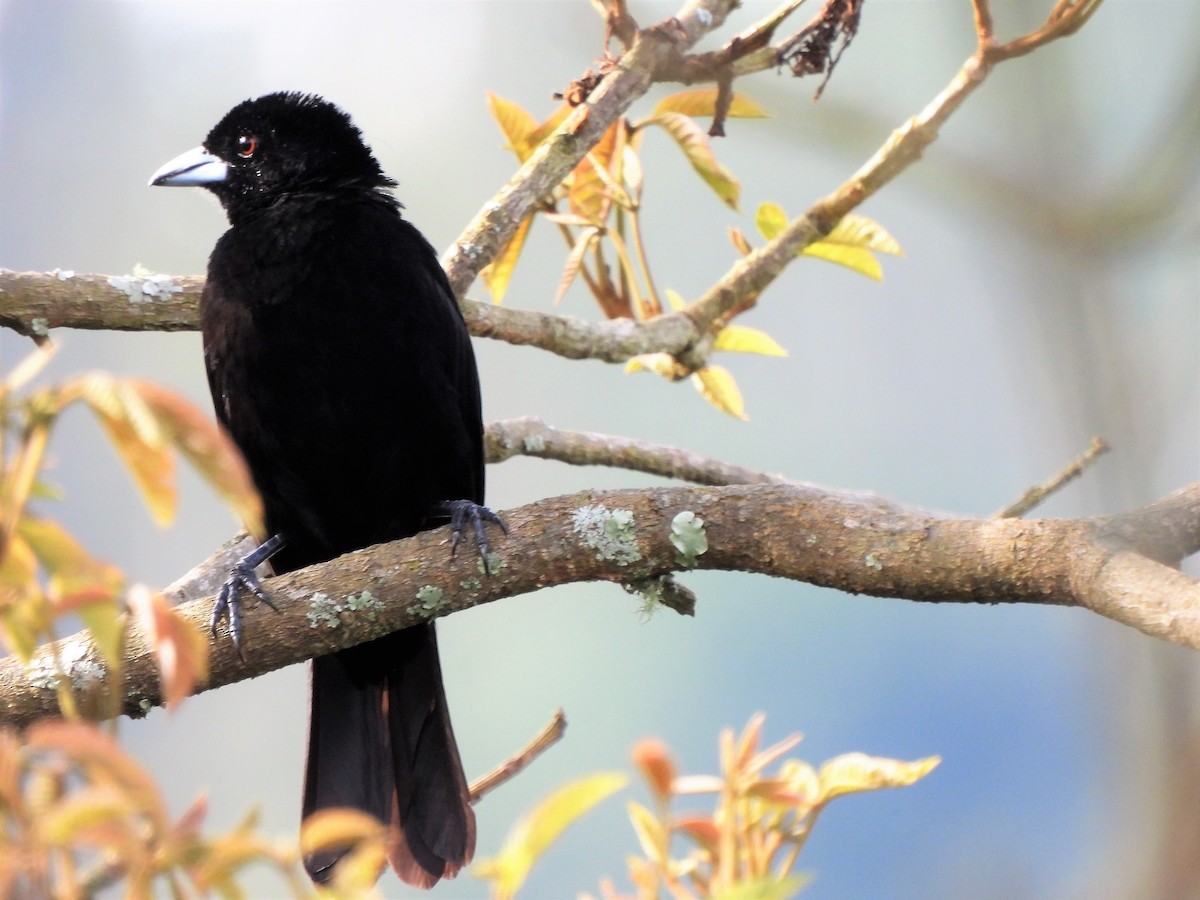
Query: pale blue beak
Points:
[196, 167]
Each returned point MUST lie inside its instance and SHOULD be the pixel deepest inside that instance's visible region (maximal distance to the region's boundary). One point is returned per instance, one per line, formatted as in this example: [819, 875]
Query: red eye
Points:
[246, 145]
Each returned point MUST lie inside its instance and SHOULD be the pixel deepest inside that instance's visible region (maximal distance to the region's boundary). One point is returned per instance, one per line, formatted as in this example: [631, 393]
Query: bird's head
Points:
[273, 146]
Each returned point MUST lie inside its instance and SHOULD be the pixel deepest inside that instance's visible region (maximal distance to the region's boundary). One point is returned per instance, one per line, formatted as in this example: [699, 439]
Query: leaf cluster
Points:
[597, 209]
[746, 846]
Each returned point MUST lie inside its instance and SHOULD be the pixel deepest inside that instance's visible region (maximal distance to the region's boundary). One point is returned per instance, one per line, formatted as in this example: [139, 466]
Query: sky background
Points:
[1050, 291]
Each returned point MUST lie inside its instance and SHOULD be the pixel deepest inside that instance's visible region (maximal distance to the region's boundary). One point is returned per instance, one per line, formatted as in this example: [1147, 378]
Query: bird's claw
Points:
[242, 574]
[463, 511]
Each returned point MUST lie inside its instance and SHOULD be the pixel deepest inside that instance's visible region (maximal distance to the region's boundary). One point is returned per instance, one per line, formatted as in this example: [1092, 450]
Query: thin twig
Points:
[1038, 493]
[549, 736]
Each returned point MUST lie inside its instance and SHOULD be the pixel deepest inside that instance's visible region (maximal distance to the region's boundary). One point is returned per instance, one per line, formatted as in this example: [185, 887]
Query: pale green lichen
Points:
[144, 285]
[535, 443]
[494, 564]
[608, 532]
[470, 584]
[688, 537]
[40, 326]
[364, 603]
[430, 599]
[324, 611]
[873, 562]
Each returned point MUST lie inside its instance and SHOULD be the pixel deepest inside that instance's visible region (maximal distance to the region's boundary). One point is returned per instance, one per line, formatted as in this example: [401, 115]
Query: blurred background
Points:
[1050, 291]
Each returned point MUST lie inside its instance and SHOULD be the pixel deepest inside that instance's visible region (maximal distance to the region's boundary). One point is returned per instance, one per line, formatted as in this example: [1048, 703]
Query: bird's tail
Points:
[380, 741]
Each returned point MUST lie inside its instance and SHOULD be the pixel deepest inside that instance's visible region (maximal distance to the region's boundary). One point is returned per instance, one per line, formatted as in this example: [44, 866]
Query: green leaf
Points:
[537, 830]
[497, 273]
[718, 387]
[703, 102]
[743, 339]
[694, 143]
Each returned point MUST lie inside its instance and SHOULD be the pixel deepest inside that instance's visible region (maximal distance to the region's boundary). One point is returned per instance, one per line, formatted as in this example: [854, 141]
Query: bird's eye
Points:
[246, 145]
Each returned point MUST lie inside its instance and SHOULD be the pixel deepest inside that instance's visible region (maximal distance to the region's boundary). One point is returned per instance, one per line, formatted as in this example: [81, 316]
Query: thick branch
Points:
[804, 534]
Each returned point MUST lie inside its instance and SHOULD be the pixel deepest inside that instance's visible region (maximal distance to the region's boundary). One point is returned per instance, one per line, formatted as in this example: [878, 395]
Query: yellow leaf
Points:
[703, 102]
[139, 442]
[718, 387]
[583, 243]
[27, 369]
[497, 273]
[539, 828]
[103, 759]
[649, 832]
[764, 889]
[694, 142]
[548, 127]
[743, 339]
[18, 565]
[856, 258]
[207, 447]
[770, 219]
[333, 829]
[68, 820]
[855, 772]
[179, 647]
[739, 241]
[70, 567]
[659, 363]
[674, 301]
[515, 122]
[859, 231]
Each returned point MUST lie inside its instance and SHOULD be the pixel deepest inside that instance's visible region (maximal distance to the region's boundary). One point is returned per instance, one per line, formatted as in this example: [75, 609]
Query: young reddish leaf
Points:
[591, 191]
[516, 123]
[587, 238]
[497, 273]
[703, 103]
[855, 772]
[207, 447]
[702, 830]
[739, 241]
[653, 759]
[718, 387]
[743, 339]
[540, 827]
[694, 142]
[138, 440]
[179, 647]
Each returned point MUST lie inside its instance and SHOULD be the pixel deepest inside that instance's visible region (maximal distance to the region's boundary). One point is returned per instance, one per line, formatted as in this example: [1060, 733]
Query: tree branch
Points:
[31, 303]
[1117, 566]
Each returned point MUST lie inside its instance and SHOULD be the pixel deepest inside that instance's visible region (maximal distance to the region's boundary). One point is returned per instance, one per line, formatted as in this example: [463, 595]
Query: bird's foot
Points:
[462, 512]
[242, 575]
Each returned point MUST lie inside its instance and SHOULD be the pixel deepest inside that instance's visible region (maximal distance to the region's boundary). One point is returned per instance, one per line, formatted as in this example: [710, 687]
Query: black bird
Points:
[341, 366]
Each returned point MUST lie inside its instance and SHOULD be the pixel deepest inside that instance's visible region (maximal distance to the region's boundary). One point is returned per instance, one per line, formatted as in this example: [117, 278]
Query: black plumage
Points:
[340, 364]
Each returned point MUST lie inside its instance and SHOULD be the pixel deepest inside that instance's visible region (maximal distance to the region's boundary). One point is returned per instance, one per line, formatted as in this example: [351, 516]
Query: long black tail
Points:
[380, 741]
